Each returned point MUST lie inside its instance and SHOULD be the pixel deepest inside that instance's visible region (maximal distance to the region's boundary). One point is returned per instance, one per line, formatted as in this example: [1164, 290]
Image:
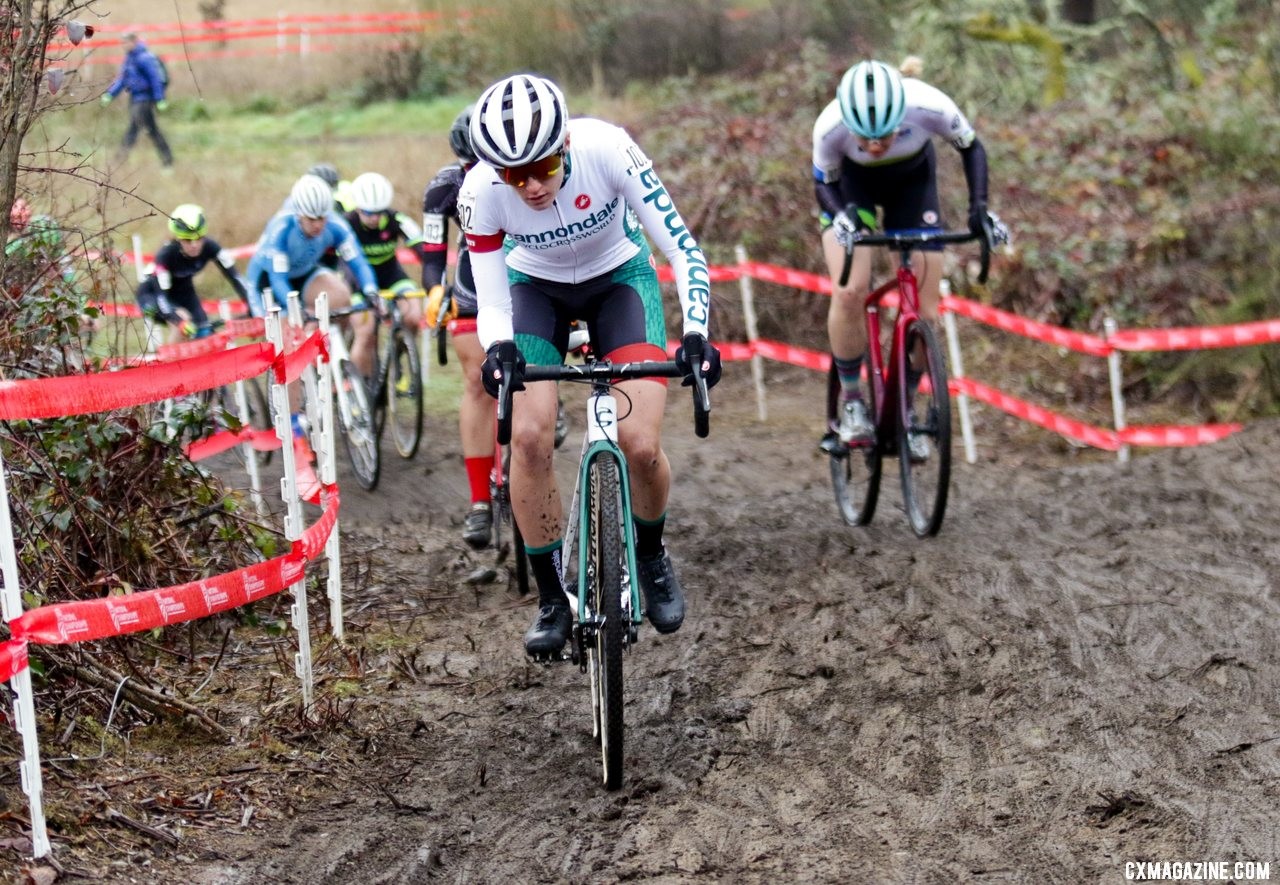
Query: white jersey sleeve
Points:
[646, 195]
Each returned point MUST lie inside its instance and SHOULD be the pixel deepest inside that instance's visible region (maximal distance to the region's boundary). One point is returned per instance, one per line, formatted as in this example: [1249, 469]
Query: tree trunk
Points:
[1080, 12]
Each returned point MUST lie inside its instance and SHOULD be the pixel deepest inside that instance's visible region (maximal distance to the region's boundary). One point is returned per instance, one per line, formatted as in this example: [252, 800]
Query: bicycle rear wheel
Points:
[258, 417]
[855, 469]
[926, 429]
[404, 394]
[359, 435]
[604, 600]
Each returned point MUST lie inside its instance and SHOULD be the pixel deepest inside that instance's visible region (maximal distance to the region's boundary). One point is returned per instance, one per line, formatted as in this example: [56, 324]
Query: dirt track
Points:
[1079, 672]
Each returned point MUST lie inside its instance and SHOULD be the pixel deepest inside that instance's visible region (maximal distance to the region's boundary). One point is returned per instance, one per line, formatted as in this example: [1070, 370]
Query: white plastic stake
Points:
[24, 708]
[325, 440]
[293, 512]
[1117, 387]
[242, 411]
[749, 316]
[957, 371]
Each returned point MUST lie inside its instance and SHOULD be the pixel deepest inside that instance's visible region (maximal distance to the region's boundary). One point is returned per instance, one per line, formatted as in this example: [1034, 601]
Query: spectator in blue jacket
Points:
[141, 75]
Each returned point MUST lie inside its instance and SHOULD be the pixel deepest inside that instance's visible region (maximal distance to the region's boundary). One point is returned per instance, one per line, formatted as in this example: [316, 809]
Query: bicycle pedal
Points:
[832, 445]
[553, 658]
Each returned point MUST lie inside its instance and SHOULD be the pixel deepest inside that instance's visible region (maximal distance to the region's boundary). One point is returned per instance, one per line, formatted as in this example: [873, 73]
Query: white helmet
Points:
[519, 120]
[312, 196]
[371, 192]
[872, 100]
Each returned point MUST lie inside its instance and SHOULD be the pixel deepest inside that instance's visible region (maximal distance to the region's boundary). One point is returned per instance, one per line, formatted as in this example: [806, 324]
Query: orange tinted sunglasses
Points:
[518, 176]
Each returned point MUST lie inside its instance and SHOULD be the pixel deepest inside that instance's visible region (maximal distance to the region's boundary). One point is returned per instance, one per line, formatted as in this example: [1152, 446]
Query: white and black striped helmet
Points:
[519, 120]
[311, 196]
[872, 100]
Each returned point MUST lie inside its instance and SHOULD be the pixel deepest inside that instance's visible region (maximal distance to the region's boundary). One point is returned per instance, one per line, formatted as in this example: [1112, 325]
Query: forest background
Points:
[1129, 143]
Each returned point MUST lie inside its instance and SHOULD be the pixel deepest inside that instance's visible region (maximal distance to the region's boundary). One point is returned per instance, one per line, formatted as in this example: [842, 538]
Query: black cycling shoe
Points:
[663, 597]
[549, 631]
[477, 528]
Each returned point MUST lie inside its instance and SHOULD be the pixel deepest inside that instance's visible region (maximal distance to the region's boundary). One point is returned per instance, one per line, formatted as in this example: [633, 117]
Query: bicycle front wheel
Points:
[855, 469]
[604, 600]
[404, 394]
[925, 436]
[359, 433]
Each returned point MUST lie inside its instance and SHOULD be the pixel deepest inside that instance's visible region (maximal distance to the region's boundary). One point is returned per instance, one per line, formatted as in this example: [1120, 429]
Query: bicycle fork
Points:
[600, 441]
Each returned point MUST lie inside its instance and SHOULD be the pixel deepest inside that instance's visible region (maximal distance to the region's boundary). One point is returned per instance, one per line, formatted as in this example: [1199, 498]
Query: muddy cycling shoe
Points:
[663, 597]
[477, 527]
[918, 447]
[546, 637]
[855, 425]
[917, 441]
[830, 443]
[562, 423]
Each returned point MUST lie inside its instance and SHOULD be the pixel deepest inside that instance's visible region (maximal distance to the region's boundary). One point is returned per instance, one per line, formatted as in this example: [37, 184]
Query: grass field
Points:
[241, 131]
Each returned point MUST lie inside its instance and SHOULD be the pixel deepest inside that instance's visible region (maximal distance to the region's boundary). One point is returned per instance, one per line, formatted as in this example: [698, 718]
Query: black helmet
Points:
[327, 171]
[460, 136]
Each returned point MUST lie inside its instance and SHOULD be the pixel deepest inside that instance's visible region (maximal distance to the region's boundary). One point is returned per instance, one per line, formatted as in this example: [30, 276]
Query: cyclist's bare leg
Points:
[476, 409]
[846, 321]
[411, 313]
[640, 436]
[928, 269]
[340, 298]
[535, 495]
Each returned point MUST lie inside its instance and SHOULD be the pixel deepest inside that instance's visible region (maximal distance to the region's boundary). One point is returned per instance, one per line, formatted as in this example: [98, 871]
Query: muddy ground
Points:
[1080, 671]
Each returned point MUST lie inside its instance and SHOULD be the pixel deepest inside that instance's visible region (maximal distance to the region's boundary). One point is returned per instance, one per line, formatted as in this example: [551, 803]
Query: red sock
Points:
[478, 470]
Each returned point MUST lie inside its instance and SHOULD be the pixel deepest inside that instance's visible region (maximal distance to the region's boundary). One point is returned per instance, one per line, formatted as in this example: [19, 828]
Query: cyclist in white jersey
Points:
[873, 147]
[567, 201]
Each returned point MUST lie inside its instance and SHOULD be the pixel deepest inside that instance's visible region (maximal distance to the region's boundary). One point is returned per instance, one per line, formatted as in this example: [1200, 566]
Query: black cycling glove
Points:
[696, 348]
[500, 352]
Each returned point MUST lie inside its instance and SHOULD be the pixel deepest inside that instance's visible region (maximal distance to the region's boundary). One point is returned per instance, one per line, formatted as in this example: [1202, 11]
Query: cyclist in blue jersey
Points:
[288, 259]
[553, 219]
[140, 76]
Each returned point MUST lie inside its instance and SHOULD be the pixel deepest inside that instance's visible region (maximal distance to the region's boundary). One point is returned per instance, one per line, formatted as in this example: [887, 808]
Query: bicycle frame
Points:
[883, 376]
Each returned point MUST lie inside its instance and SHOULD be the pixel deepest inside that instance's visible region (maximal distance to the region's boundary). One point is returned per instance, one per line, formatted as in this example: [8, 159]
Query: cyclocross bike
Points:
[397, 377]
[353, 404]
[599, 544]
[903, 409]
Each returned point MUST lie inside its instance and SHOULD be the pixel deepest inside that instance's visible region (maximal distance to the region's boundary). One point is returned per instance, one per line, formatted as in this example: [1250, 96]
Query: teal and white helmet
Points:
[872, 100]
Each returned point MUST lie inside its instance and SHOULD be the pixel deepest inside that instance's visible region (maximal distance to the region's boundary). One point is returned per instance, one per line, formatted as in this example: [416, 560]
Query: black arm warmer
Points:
[974, 158]
[829, 198]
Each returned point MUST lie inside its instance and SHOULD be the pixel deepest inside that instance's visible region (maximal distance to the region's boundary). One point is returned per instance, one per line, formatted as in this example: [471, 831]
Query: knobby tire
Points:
[855, 470]
[404, 406]
[359, 433]
[605, 599]
[926, 411]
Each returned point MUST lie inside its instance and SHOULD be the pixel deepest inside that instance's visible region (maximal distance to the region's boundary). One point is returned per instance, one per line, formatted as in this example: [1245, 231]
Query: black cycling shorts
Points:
[907, 191]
